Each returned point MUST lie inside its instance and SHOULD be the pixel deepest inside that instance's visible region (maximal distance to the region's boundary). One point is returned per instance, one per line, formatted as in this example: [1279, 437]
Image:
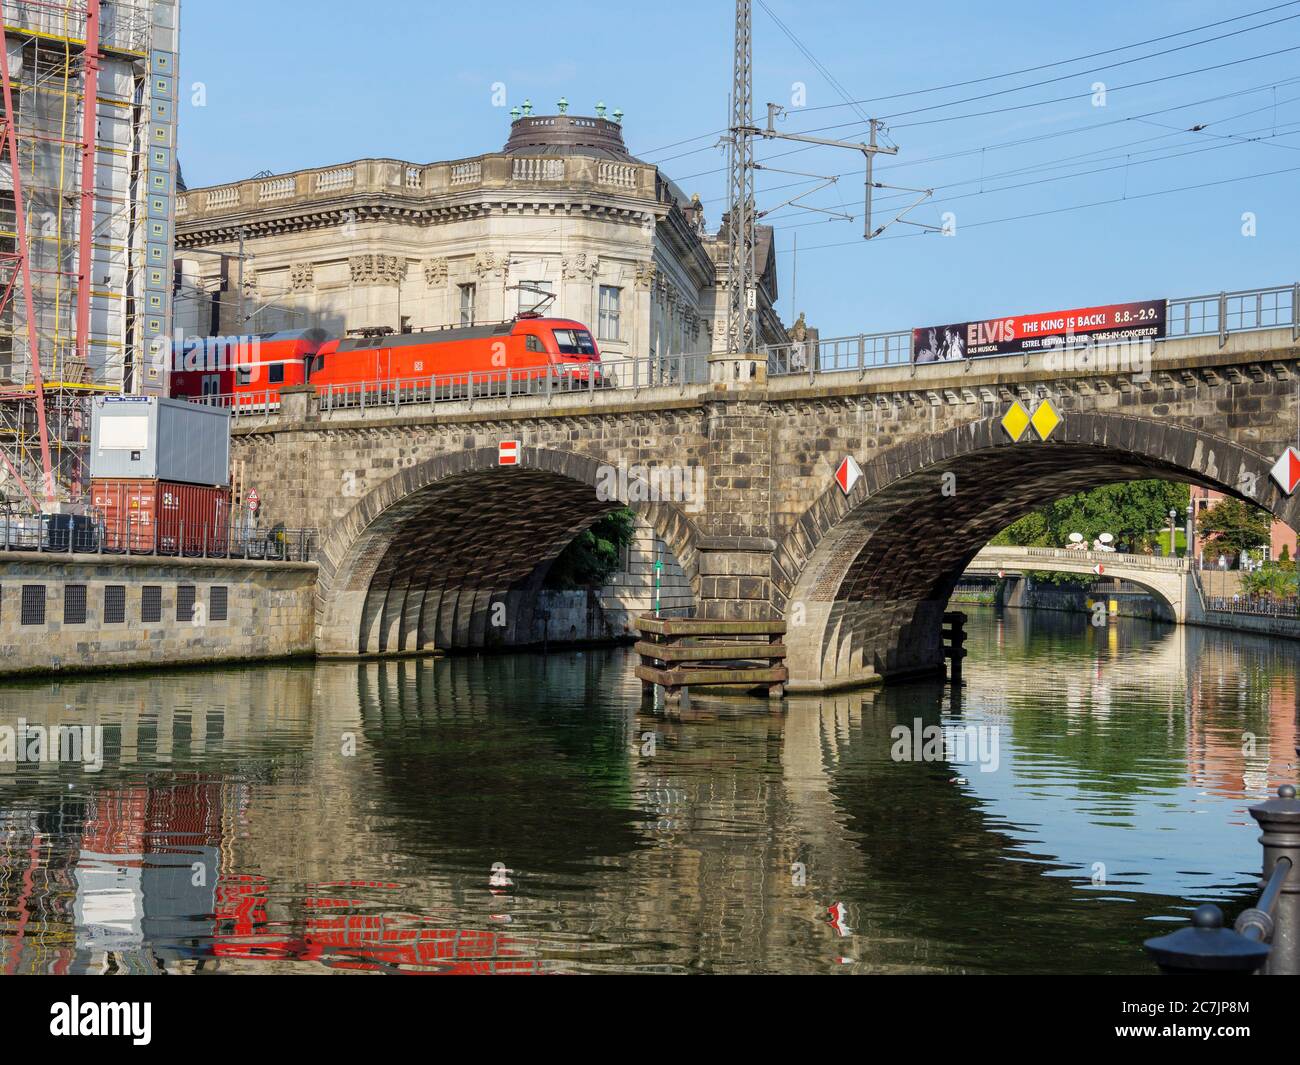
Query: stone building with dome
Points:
[562, 209]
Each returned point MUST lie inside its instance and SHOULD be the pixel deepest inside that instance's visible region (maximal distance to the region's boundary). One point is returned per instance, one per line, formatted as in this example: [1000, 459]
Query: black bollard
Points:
[1206, 947]
[1280, 821]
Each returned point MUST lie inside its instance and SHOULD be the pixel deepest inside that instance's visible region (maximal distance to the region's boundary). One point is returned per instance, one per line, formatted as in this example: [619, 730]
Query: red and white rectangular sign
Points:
[508, 453]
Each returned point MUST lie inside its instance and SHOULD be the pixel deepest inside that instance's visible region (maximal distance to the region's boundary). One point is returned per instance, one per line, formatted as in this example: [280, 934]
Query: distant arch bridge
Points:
[1169, 579]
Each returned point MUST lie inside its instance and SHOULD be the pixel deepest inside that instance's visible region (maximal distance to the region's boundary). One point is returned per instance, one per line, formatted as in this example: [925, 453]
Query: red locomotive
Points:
[250, 371]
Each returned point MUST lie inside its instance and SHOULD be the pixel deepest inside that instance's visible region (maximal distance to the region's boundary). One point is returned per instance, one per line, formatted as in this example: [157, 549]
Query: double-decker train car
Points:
[455, 361]
[246, 368]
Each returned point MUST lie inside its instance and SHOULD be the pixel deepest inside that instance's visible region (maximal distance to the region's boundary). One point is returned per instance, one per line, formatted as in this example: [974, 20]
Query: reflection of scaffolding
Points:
[85, 219]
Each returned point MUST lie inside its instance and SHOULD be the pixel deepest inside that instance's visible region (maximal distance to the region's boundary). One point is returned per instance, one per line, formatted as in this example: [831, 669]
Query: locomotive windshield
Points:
[574, 342]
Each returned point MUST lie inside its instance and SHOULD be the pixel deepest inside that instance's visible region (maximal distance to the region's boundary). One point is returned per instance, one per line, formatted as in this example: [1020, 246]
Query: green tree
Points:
[592, 557]
[1235, 526]
[1135, 512]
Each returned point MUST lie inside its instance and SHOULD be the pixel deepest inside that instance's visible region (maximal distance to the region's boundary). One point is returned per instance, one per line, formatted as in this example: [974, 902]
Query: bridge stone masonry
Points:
[427, 542]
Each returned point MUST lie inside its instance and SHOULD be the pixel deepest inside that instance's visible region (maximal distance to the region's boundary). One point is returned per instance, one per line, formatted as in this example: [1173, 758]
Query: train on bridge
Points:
[241, 371]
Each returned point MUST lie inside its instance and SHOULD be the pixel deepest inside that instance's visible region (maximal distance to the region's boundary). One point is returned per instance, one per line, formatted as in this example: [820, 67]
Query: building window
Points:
[151, 603]
[531, 293]
[467, 304]
[275, 373]
[33, 612]
[217, 603]
[74, 604]
[185, 602]
[607, 322]
[115, 604]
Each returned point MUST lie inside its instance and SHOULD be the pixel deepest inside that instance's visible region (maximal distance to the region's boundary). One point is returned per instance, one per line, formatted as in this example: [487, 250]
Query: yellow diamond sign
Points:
[1015, 421]
[1045, 419]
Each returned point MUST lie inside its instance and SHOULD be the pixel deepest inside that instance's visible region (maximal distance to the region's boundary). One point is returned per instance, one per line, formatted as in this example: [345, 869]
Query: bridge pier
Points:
[851, 643]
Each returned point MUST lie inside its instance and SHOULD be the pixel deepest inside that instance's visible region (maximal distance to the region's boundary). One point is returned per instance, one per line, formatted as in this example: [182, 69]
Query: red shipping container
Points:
[137, 514]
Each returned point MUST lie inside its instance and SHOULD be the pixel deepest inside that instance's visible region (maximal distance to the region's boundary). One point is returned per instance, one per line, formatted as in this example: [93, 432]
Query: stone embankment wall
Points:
[90, 612]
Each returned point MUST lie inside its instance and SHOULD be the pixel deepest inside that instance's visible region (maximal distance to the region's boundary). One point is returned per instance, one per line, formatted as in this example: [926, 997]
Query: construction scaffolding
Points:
[87, 193]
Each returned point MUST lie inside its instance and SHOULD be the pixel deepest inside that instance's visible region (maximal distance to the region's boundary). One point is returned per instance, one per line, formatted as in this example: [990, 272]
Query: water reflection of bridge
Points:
[683, 856]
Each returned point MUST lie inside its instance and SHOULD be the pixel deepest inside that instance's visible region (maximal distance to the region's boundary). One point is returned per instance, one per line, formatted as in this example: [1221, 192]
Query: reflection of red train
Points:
[365, 942]
[254, 369]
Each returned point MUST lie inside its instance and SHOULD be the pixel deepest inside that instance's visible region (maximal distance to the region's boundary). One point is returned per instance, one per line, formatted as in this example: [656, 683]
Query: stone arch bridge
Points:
[428, 542]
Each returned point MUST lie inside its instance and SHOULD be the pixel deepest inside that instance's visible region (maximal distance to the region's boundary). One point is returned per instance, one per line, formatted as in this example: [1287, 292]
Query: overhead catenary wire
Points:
[1039, 103]
[1226, 142]
[987, 78]
[1068, 209]
[1091, 127]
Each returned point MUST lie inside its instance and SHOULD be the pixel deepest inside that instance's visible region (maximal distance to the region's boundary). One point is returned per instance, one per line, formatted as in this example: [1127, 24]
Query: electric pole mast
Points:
[743, 215]
[742, 299]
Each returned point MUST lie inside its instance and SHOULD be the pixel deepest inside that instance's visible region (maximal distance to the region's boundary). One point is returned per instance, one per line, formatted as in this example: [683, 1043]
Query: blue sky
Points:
[291, 85]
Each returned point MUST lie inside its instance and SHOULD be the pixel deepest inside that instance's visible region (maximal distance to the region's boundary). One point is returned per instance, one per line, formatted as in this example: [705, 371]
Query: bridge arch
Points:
[424, 559]
[863, 580]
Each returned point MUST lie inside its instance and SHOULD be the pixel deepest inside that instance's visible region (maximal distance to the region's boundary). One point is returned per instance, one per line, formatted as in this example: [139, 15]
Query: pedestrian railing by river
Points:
[234, 540]
[1263, 605]
[1265, 937]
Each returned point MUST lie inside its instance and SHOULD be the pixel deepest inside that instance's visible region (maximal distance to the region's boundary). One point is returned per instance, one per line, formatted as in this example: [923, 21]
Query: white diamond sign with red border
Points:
[1286, 470]
[847, 474]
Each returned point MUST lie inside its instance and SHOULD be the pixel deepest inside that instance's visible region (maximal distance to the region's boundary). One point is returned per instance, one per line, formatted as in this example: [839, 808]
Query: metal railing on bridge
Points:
[1217, 314]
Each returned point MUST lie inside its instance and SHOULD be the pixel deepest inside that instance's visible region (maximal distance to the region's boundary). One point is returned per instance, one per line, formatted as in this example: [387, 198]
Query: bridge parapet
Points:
[1254, 357]
[1113, 561]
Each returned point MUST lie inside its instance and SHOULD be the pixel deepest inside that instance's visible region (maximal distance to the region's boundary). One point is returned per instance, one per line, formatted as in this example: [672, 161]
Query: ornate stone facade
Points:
[301, 277]
[435, 271]
[580, 265]
[377, 269]
[563, 208]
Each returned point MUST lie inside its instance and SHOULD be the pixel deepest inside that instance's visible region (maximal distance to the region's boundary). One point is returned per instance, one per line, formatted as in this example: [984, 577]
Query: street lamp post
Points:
[1173, 515]
[1223, 570]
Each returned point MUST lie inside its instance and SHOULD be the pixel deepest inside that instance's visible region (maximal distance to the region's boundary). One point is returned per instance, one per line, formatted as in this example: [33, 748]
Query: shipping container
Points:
[138, 514]
[151, 438]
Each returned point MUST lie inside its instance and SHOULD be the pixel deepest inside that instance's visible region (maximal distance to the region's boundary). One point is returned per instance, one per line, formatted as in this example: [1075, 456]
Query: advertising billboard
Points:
[1027, 333]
